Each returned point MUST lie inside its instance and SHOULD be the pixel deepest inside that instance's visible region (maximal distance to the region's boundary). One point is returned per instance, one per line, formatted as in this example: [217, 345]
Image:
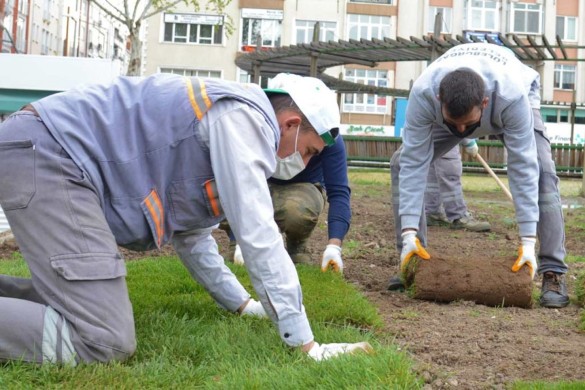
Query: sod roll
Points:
[485, 279]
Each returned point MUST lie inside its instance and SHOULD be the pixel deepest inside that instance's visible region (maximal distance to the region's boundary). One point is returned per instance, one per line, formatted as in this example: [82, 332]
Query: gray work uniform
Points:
[444, 186]
[137, 163]
[513, 115]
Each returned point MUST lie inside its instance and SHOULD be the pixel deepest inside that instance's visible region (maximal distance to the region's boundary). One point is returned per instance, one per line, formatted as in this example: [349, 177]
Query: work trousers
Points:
[444, 186]
[75, 307]
[297, 207]
[551, 225]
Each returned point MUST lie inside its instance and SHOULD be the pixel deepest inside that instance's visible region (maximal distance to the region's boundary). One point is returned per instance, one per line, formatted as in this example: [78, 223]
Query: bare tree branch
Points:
[109, 13]
[162, 9]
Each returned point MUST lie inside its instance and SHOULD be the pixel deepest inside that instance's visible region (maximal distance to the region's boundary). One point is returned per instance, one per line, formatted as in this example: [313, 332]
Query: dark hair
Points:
[283, 102]
[460, 91]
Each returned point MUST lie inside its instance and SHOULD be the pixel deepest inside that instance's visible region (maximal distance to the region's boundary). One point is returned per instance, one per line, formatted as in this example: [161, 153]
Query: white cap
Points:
[314, 98]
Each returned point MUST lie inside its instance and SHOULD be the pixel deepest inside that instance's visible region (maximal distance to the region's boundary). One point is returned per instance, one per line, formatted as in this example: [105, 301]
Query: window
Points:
[193, 28]
[216, 74]
[47, 4]
[245, 77]
[564, 76]
[263, 23]
[304, 31]
[372, 1]
[268, 29]
[567, 28]
[526, 18]
[445, 16]
[366, 103]
[368, 26]
[483, 15]
[45, 42]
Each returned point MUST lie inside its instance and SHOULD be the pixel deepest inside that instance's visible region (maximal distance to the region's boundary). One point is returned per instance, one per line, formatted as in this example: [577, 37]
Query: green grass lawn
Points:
[186, 341]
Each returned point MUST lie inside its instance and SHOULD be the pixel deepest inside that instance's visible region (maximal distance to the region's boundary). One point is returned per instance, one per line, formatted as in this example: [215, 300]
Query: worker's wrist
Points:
[307, 347]
[335, 241]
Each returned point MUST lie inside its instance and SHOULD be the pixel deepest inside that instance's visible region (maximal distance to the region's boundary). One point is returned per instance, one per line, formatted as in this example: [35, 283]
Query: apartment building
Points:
[71, 28]
[197, 43]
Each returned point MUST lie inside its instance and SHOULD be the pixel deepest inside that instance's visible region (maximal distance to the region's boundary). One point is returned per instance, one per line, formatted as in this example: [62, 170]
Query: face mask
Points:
[469, 129]
[290, 166]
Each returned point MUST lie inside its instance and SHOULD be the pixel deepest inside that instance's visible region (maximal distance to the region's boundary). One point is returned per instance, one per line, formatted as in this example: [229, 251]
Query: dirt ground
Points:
[461, 344]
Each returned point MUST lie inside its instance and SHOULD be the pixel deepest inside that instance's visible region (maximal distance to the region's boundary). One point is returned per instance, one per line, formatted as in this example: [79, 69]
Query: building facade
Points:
[70, 28]
[204, 43]
[191, 43]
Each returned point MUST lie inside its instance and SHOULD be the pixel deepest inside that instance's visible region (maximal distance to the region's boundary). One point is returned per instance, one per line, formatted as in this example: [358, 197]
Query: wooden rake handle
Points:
[496, 178]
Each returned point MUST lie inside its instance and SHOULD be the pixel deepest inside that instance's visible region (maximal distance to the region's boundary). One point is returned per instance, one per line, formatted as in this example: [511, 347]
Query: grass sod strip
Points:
[185, 340]
[485, 279]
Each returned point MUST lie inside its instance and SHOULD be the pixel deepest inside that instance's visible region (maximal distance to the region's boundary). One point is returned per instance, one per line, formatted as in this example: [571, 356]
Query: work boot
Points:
[467, 222]
[231, 251]
[298, 252]
[554, 290]
[438, 219]
[395, 284]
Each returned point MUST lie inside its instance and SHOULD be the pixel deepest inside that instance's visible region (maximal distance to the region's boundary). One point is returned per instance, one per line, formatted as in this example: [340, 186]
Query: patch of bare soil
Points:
[461, 344]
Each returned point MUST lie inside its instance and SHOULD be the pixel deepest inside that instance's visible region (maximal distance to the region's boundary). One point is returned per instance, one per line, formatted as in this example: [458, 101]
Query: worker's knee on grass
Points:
[110, 345]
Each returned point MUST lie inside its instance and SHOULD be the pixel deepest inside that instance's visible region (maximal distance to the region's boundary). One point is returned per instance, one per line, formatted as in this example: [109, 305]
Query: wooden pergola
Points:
[311, 59]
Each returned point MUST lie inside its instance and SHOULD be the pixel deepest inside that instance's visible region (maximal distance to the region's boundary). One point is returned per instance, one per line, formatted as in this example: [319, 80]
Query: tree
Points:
[134, 12]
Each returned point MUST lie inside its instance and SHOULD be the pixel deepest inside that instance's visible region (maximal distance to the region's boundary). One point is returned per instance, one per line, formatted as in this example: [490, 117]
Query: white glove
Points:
[411, 246]
[332, 259]
[254, 309]
[471, 148]
[325, 351]
[238, 257]
[526, 256]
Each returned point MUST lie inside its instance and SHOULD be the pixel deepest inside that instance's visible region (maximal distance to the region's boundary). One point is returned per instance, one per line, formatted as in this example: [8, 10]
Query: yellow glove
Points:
[411, 246]
[526, 256]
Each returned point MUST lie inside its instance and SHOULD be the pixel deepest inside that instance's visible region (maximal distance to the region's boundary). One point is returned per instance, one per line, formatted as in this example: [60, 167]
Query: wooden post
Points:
[313, 68]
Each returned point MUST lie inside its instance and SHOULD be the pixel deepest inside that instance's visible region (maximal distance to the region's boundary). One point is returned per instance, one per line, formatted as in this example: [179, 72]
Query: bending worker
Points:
[474, 90]
[299, 199]
[138, 163]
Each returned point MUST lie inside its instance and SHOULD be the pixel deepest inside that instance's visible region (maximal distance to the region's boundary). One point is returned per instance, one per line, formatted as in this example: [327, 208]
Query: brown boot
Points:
[554, 290]
[298, 252]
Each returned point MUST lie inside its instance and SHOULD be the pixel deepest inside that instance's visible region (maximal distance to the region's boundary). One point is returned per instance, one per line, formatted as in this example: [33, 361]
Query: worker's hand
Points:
[471, 148]
[254, 309]
[238, 257]
[332, 259]
[325, 351]
[526, 256]
[411, 246]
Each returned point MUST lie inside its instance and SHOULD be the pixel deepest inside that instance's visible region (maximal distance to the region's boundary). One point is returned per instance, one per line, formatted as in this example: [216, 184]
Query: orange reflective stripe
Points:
[212, 201]
[198, 96]
[156, 211]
